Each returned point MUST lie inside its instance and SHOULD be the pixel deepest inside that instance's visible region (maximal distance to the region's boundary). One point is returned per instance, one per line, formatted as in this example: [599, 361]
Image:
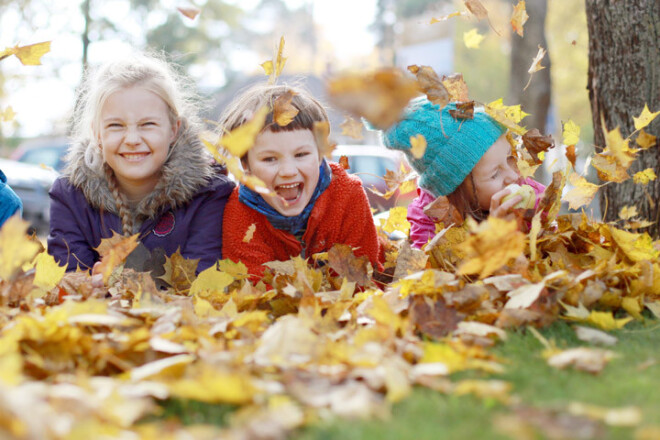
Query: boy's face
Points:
[288, 162]
[495, 170]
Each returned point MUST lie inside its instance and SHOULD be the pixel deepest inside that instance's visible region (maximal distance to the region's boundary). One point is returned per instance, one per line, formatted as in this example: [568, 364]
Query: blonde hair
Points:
[155, 74]
[243, 108]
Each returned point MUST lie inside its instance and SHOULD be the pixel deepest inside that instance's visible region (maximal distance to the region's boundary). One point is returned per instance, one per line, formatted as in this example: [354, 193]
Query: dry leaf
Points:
[352, 128]
[249, 233]
[430, 83]
[418, 146]
[644, 118]
[472, 39]
[536, 65]
[283, 111]
[189, 11]
[591, 360]
[519, 17]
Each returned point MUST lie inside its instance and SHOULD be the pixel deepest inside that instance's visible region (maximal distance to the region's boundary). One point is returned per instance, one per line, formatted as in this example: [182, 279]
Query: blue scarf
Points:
[294, 225]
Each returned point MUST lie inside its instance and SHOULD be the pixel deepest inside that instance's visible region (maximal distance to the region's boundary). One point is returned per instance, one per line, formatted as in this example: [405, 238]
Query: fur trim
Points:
[188, 168]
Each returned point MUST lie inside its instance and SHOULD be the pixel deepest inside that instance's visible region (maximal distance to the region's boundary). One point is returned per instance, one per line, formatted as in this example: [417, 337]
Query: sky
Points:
[42, 99]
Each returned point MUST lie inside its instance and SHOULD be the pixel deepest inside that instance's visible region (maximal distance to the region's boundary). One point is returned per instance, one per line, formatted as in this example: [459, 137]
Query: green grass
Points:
[628, 380]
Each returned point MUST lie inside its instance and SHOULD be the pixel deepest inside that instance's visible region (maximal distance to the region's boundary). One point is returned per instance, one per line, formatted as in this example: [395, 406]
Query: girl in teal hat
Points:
[467, 160]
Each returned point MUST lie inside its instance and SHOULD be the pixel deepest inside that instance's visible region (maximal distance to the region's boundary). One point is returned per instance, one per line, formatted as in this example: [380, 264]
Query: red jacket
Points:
[341, 214]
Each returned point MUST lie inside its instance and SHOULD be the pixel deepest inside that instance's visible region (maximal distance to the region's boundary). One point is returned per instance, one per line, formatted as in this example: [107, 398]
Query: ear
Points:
[245, 164]
[175, 129]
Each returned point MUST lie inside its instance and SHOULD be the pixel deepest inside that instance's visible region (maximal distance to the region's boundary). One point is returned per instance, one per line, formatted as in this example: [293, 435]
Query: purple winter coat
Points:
[184, 210]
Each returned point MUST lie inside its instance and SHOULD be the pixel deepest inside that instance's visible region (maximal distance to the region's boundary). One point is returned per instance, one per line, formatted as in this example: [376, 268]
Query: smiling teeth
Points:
[134, 156]
[289, 185]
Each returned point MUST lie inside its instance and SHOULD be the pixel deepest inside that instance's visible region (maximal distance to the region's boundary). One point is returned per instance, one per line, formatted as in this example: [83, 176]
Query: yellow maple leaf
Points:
[241, 139]
[210, 280]
[644, 118]
[249, 233]
[491, 244]
[606, 320]
[619, 149]
[519, 17]
[283, 111]
[351, 128]
[633, 306]
[472, 39]
[571, 133]
[8, 114]
[637, 247]
[31, 55]
[582, 192]
[645, 140]
[112, 255]
[273, 68]
[47, 272]
[418, 146]
[397, 221]
[507, 115]
[608, 168]
[628, 212]
[644, 177]
[16, 248]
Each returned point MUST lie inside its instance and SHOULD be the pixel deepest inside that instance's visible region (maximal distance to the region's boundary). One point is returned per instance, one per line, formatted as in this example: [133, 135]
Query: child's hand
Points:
[97, 276]
[503, 210]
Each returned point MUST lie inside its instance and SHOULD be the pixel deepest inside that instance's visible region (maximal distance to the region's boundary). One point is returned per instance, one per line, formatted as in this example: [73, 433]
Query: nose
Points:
[512, 175]
[288, 167]
[132, 136]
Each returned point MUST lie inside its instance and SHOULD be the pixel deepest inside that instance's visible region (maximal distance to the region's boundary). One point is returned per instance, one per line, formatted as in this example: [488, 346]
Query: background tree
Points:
[624, 74]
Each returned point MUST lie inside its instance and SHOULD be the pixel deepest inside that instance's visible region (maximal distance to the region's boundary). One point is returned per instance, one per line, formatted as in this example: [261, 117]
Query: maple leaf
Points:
[644, 177]
[356, 269]
[446, 17]
[179, 272]
[443, 211]
[321, 131]
[28, 55]
[241, 139]
[283, 111]
[644, 118]
[378, 96]
[582, 192]
[509, 116]
[189, 11]
[637, 247]
[491, 244]
[7, 115]
[249, 233]
[209, 281]
[628, 212]
[396, 220]
[430, 83]
[536, 65]
[113, 251]
[273, 68]
[458, 90]
[433, 318]
[645, 140]
[352, 128]
[571, 155]
[536, 143]
[472, 39]
[402, 179]
[571, 133]
[47, 272]
[619, 149]
[609, 169]
[16, 248]
[418, 146]
[519, 17]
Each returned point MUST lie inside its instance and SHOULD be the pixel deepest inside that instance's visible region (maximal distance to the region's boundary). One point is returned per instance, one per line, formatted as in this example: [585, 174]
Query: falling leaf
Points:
[519, 17]
[321, 131]
[464, 110]
[571, 155]
[16, 248]
[343, 161]
[490, 246]
[7, 115]
[628, 212]
[28, 55]
[379, 96]
[476, 8]
[644, 177]
[189, 11]
[582, 192]
[509, 116]
[283, 111]
[113, 251]
[241, 139]
[445, 17]
[249, 233]
[472, 39]
[645, 140]
[430, 83]
[536, 65]
[535, 143]
[48, 273]
[571, 133]
[644, 118]
[396, 221]
[273, 68]
[352, 128]
[455, 84]
[418, 146]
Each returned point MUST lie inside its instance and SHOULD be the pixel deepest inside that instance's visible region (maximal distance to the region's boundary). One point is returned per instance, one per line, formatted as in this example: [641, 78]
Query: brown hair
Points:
[242, 108]
[464, 198]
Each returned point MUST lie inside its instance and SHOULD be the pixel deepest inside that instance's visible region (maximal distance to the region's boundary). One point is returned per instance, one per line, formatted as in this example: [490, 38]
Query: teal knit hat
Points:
[449, 156]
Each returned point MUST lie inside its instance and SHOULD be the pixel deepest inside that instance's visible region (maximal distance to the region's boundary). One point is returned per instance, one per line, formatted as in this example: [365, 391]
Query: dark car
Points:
[31, 183]
[370, 163]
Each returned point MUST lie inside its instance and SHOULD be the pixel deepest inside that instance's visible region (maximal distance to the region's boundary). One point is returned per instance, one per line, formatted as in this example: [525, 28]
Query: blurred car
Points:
[370, 163]
[31, 183]
[44, 151]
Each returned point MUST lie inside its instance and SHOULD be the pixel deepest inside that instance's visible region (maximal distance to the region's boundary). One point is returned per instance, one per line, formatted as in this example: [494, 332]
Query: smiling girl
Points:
[136, 166]
[314, 204]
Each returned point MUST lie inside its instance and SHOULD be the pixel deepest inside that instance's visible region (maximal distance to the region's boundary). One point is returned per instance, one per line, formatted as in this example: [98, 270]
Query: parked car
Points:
[370, 163]
[31, 183]
[44, 151]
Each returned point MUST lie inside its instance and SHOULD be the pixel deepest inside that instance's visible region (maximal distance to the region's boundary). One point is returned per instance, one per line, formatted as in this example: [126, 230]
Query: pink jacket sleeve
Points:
[422, 227]
[538, 189]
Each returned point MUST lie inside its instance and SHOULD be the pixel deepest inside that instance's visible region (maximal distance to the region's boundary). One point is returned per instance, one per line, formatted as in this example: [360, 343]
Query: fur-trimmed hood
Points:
[188, 168]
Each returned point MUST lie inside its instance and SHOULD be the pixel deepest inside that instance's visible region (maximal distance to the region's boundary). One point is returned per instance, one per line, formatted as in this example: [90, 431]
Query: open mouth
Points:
[134, 157]
[289, 192]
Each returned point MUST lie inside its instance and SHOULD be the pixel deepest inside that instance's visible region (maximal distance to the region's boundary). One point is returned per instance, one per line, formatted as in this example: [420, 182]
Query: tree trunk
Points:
[536, 98]
[624, 75]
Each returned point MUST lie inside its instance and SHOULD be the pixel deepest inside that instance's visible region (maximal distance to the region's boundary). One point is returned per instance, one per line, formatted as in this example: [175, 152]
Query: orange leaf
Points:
[189, 11]
[519, 17]
[356, 269]
[283, 111]
[321, 132]
[429, 83]
[352, 128]
[458, 90]
[113, 252]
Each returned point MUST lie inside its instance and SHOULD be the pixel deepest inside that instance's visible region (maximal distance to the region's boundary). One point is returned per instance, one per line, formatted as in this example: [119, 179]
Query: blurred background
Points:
[223, 46]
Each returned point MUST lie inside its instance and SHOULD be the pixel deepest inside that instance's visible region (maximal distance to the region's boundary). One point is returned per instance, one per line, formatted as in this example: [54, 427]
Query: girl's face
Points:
[288, 162]
[495, 170]
[135, 135]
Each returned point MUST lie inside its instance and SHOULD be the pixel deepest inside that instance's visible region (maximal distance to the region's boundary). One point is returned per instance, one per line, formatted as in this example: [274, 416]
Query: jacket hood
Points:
[188, 168]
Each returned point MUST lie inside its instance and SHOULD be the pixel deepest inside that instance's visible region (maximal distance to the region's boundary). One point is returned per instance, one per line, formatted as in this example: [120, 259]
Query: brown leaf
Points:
[570, 155]
[443, 211]
[519, 17]
[283, 111]
[535, 143]
[189, 11]
[356, 269]
[321, 132]
[434, 319]
[430, 83]
[476, 8]
[343, 161]
[180, 272]
[458, 90]
[464, 110]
